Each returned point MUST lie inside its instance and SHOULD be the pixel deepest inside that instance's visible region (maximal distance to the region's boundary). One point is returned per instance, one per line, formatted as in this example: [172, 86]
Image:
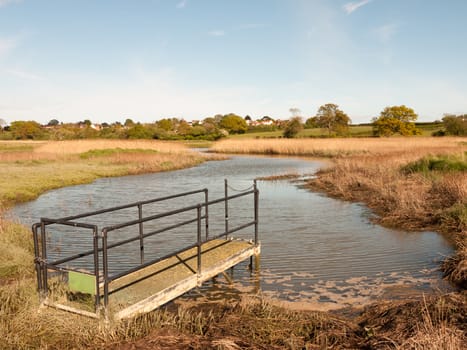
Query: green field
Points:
[354, 131]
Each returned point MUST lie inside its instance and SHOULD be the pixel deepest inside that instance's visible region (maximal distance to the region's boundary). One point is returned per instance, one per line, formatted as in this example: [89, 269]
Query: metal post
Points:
[256, 196]
[206, 212]
[199, 239]
[141, 241]
[226, 208]
[43, 262]
[95, 242]
[37, 257]
[105, 262]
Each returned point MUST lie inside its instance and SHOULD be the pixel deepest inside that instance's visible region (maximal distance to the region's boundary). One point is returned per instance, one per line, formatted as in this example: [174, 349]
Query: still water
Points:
[316, 251]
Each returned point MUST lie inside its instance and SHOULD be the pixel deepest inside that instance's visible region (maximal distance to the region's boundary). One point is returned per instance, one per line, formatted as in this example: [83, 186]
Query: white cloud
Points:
[354, 6]
[6, 2]
[216, 33]
[181, 5]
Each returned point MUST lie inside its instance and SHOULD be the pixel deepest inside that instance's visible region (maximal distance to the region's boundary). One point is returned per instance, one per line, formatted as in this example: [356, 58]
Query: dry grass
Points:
[335, 147]
[81, 146]
[28, 169]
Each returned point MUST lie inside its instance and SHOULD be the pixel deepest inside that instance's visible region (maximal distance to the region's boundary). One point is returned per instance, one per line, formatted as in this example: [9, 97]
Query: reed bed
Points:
[335, 147]
[81, 146]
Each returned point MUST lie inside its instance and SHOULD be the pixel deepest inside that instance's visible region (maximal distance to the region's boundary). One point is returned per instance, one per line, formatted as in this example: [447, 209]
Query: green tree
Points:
[455, 125]
[293, 127]
[311, 123]
[166, 124]
[139, 131]
[233, 124]
[24, 130]
[53, 122]
[330, 117]
[396, 120]
[129, 123]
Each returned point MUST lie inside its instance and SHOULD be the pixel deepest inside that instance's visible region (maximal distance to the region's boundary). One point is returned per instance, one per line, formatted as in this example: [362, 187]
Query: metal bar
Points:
[105, 262]
[238, 228]
[95, 242]
[126, 206]
[149, 263]
[48, 221]
[199, 239]
[141, 240]
[215, 201]
[37, 256]
[226, 210]
[129, 240]
[256, 200]
[152, 217]
[206, 213]
[43, 262]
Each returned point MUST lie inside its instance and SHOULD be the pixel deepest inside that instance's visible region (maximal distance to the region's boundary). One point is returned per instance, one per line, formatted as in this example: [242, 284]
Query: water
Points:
[316, 251]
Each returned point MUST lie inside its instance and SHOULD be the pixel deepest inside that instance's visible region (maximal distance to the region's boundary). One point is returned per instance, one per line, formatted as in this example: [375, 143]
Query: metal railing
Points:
[101, 246]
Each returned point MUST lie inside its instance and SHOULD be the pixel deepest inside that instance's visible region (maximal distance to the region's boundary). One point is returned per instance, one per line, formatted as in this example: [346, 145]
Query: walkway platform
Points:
[64, 285]
[170, 278]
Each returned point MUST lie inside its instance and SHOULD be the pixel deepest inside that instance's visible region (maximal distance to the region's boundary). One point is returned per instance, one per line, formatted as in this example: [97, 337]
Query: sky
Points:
[109, 60]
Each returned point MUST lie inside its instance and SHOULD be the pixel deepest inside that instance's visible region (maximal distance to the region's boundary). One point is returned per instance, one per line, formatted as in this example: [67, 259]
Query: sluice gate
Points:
[121, 269]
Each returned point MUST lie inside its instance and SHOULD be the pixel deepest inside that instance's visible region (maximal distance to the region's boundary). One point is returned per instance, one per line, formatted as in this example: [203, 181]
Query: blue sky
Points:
[108, 60]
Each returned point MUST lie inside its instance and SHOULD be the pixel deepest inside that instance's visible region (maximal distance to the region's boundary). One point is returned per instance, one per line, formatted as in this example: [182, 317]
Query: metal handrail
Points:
[40, 249]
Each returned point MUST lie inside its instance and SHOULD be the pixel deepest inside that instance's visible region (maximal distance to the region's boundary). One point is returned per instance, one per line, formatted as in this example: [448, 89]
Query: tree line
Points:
[394, 120]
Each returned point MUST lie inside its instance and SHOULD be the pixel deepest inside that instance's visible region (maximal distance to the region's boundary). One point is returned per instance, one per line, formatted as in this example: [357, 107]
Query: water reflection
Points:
[315, 250]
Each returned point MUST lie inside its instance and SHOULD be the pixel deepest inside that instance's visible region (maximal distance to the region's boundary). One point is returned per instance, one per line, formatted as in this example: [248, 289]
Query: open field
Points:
[389, 172]
[354, 131]
[30, 168]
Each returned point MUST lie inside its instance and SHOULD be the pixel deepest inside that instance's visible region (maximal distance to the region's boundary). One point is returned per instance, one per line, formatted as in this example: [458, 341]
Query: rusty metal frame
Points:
[101, 246]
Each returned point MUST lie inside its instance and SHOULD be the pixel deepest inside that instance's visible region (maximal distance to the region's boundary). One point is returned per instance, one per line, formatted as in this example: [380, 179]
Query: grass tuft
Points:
[442, 163]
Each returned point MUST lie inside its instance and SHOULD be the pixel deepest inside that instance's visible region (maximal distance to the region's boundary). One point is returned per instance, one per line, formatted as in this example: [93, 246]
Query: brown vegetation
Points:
[340, 147]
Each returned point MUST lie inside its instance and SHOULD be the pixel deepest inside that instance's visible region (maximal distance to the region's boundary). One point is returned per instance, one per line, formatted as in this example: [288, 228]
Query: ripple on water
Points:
[315, 250]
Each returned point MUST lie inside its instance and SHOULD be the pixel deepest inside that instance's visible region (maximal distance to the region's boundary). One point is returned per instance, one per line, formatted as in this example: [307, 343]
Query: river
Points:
[316, 251]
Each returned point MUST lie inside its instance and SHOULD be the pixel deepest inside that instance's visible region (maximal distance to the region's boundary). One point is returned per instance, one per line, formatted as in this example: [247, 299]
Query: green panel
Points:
[82, 282]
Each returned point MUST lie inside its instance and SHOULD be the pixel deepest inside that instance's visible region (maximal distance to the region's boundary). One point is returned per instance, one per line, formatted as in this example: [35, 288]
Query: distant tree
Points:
[247, 118]
[233, 124]
[2, 124]
[183, 128]
[24, 130]
[296, 112]
[87, 122]
[166, 124]
[129, 123]
[311, 123]
[53, 122]
[330, 117]
[293, 127]
[455, 125]
[396, 120]
[139, 131]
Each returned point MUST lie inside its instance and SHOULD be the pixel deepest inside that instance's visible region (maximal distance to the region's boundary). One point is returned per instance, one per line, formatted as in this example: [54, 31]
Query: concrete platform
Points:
[166, 280]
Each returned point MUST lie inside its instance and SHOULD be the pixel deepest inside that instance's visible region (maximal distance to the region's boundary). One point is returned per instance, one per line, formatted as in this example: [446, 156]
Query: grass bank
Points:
[28, 169]
[416, 183]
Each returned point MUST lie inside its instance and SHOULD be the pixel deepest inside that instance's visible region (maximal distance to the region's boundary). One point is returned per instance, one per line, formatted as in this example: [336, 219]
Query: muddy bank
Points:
[433, 322]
